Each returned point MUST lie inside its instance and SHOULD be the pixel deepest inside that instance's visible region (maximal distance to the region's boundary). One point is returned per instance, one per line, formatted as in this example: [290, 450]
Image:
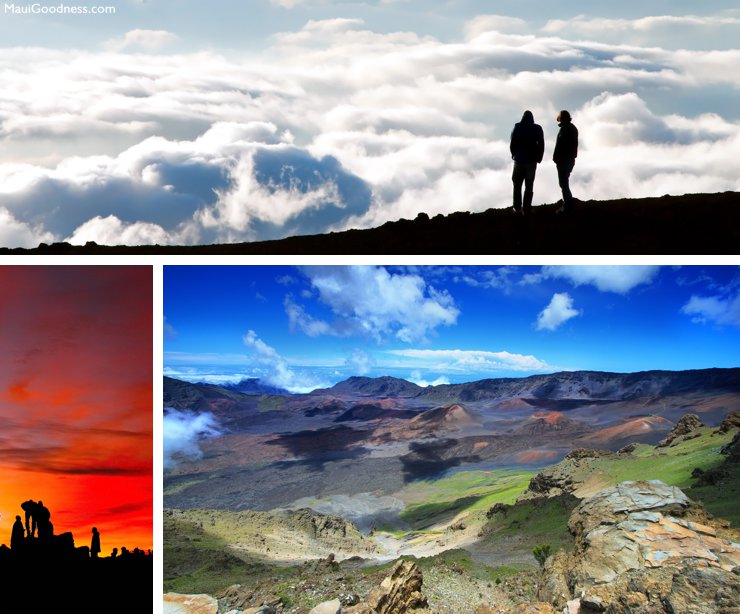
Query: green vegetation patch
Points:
[196, 561]
[435, 501]
[533, 522]
[271, 402]
[178, 487]
[672, 465]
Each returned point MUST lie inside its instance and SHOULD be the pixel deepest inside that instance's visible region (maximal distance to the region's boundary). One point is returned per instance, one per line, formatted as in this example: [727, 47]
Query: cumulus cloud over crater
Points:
[371, 301]
[336, 126]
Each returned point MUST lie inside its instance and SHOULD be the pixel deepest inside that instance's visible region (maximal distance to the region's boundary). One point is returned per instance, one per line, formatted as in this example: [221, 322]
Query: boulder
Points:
[328, 607]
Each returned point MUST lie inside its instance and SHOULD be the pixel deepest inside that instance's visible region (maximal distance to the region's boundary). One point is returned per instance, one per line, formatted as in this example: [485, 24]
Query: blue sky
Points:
[175, 121]
[305, 327]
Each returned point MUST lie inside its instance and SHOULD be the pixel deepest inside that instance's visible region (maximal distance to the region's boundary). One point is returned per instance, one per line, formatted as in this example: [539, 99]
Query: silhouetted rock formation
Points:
[699, 223]
[50, 565]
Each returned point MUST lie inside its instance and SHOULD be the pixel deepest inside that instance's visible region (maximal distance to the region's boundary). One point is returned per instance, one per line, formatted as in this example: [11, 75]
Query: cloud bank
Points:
[336, 126]
[472, 360]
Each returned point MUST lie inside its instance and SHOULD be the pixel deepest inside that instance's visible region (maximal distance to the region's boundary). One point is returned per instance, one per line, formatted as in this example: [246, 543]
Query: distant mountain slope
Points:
[574, 387]
[581, 386]
[373, 387]
[692, 223]
[253, 385]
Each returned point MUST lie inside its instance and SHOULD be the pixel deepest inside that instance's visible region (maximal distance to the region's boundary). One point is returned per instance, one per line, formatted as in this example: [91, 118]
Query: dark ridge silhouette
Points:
[42, 571]
[688, 224]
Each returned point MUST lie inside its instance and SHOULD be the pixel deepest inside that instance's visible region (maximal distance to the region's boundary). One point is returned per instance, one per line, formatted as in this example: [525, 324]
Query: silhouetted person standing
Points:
[564, 156]
[17, 534]
[95, 544]
[30, 507]
[527, 147]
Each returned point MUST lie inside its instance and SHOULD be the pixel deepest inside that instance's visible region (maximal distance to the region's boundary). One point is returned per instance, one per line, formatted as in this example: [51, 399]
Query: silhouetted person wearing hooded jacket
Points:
[564, 156]
[17, 535]
[527, 148]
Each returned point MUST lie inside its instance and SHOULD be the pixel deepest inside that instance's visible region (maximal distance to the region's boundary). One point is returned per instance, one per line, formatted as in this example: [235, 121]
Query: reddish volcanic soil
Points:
[535, 457]
[631, 429]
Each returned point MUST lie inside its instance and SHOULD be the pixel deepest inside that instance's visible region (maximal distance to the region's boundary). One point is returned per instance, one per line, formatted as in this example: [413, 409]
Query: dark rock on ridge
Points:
[659, 225]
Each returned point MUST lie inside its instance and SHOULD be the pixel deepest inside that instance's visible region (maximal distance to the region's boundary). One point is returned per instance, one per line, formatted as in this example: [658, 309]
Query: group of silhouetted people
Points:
[38, 525]
[38, 518]
[528, 148]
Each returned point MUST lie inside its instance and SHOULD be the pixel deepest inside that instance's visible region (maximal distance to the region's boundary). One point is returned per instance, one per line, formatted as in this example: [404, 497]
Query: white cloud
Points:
[298, 319]
[336, 126]
[112, 231]
[359, 362]
[276, 370]
[655, 30]
[499, 278]
[471, 360]
[559, 311]
[607, 278]
[147, 40]
[482, 24]
[182, 430]
[722, 310]
[18, 234]
[419, 380]
[288, 4]
[371, 301]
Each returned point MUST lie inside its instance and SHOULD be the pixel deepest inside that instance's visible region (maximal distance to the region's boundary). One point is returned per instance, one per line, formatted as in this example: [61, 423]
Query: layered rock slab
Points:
[644, 546]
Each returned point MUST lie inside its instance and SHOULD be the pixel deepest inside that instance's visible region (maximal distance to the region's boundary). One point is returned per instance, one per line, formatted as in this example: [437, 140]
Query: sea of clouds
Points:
[336, 126]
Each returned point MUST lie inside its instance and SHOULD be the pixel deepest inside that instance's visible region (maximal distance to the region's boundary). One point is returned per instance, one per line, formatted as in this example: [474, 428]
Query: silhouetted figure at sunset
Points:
[17, 535]
[30, 507]
[43, 520]
[564, 156]
[114, 553]
[527, 147]
[95, 543]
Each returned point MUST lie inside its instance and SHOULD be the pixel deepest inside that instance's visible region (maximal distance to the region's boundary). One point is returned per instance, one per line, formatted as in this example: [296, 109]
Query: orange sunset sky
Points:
[76, 400]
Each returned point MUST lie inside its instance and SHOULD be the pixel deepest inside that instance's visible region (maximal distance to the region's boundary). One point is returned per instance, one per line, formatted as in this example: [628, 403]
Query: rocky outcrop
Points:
[558, 480]
[685, 426]
[731, 421]
[399, 592]
[643, 546]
